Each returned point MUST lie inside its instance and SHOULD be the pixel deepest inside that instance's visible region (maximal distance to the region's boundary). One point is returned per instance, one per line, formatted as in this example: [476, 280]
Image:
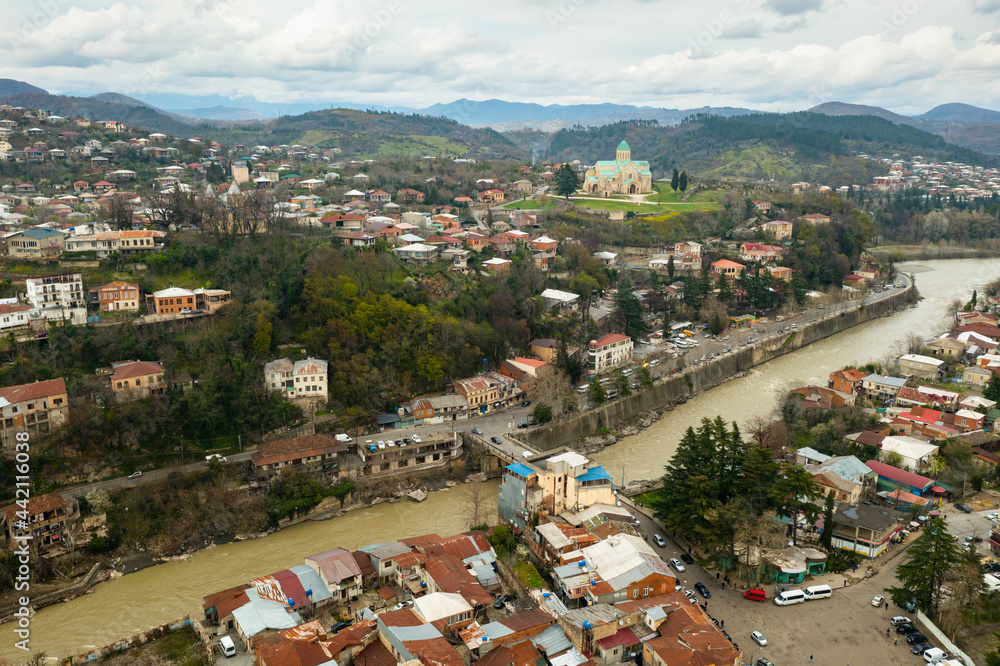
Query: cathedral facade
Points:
[622, 175]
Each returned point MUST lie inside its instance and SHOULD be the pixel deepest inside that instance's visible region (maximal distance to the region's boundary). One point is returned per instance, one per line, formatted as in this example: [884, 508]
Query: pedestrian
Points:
[887, 633]
[887, 605]
[723, 624]
[895, 641]
[716, 575]
[810, 659]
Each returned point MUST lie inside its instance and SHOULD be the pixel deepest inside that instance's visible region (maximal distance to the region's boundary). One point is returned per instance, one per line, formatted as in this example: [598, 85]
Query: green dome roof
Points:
[623, 145]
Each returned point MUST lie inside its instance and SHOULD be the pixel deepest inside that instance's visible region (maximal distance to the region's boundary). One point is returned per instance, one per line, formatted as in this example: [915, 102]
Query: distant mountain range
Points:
[961, 124]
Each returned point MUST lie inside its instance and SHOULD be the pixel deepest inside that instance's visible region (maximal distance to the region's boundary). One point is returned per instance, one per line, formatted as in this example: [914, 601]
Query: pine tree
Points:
[670, 267]
[826, 537]
[682, 181]
[567, 181]
[675, 180]
[930, 560]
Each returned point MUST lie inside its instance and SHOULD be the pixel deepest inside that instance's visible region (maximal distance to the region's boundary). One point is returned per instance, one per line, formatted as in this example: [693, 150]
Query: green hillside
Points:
[795, 146]
[368, 134]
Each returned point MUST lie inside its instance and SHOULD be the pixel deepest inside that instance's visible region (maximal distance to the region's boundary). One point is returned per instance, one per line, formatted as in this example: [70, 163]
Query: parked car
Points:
[963, 508]
[501, 601]
[416, 438]
[216, 456]
[495, 440]
[900, 619]
[135, 475]
[878, 600]
[227, 646]
[658, 540]
[764, 661]
[477, 431]
[992, 516]
[905, 629]
[691, 596]
[920, 648]
[526, 403]
[402, 604]
[343, 624]
[916, 637]
[758, 638]
[702, 590]
[992, 567]
[522, 425]
[677, 564]
[687, 558]
[187, 311]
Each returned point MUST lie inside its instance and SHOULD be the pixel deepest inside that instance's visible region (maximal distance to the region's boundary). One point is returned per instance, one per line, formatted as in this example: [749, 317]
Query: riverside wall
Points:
[694, 380]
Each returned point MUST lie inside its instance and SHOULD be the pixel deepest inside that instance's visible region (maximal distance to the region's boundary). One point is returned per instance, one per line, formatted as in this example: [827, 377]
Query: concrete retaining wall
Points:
[704, 377]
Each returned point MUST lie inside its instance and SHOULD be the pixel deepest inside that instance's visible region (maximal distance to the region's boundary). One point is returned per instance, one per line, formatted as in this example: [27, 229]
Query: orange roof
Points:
[725, 263]
[533, 362]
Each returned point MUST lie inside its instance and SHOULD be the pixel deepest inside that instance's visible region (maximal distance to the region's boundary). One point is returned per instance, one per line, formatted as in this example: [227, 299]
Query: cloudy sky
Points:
[906, 55]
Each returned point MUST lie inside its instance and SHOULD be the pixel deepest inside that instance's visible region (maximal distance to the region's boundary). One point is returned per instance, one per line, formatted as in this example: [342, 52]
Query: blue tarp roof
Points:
[521, 469]
[597, 473]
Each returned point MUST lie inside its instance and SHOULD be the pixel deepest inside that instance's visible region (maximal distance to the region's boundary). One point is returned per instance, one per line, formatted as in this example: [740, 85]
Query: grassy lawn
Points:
[181, 648]
[529, 576]
[530, 204]
[663, 200]
[645, 499]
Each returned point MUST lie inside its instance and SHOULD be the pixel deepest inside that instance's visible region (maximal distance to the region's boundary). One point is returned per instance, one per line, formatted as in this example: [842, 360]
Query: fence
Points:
[946, 644]
[136, 640]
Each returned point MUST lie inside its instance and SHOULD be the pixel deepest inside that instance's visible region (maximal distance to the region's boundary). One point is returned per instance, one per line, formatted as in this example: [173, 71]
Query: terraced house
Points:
[124, 242]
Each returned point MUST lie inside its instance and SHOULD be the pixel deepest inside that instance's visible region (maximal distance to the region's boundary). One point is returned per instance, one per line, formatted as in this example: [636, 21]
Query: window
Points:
[635, 593]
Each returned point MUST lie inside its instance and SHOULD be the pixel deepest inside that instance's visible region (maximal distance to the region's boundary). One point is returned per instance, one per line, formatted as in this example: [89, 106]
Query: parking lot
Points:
[842, 630]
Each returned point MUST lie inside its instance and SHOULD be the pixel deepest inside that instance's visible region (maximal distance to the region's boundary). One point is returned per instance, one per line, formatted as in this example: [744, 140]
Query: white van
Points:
[789, 597]
[227, 646]
[818, 592]
[935, 655]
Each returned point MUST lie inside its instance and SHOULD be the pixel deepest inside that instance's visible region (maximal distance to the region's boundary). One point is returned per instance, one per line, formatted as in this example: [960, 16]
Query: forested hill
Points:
[375, 134]
[141, 117]
[795, 146]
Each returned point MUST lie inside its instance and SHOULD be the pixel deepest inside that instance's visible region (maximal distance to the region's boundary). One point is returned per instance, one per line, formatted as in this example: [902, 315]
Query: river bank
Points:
[159, 594]
[682, 386]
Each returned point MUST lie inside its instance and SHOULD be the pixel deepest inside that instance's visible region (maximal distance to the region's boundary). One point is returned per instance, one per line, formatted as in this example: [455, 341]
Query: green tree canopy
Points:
[929, 561]
[567, 180]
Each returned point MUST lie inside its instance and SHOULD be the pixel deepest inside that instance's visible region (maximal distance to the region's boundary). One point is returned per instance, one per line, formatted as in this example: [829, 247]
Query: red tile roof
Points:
[621, 637]
[295, 448]
[35, 391]
[136, 369]
[611, 338]
[36, 505]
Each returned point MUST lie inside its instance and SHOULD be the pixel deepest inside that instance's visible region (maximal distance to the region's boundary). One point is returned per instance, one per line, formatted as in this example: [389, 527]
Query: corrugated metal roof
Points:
[439, 605]
[569, 658]
[261, 614]
[311, 581]
[553, 640]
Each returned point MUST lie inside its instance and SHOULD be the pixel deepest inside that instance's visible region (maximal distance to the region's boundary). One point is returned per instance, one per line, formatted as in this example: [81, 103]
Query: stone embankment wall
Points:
[703, 377]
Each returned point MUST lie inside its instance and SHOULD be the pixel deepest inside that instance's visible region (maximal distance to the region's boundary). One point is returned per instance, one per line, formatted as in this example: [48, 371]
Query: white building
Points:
[299, 380]
[57, 296]
[918, 365]
[13, 315]
[612, 350]
[564, 301]
[914, 453]
[123, 242]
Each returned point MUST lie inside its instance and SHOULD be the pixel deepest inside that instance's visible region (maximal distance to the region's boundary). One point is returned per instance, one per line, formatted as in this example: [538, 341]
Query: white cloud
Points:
[776, 54]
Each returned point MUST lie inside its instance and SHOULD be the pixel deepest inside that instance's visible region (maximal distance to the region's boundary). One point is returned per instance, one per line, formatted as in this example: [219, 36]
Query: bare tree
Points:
[475, 504]
[119, 212]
